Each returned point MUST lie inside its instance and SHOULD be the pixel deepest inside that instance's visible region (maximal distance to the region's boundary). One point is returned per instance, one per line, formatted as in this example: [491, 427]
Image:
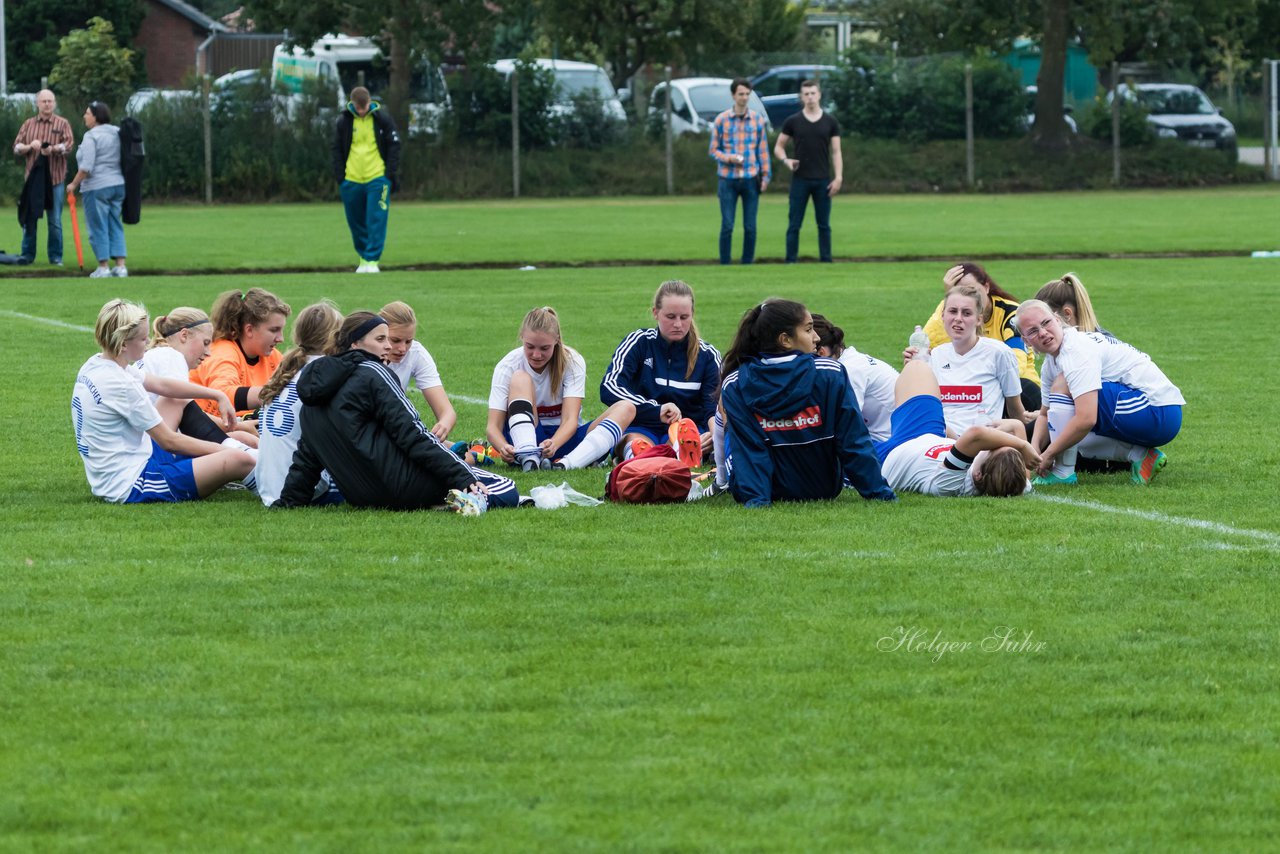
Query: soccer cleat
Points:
[1145, 469]
[545, 464]
[466, 503]
[639, 445]
[687, 442]
[558, 465]
[1055, 480]
[120, 272]
[101, 273]
[529, 464]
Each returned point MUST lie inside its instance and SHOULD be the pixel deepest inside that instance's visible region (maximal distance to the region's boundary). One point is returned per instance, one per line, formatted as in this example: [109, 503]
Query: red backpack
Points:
[654, 477]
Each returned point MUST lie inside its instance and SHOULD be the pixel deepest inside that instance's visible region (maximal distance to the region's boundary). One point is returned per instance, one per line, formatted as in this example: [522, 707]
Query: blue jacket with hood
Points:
[796, 433]
[649, 371]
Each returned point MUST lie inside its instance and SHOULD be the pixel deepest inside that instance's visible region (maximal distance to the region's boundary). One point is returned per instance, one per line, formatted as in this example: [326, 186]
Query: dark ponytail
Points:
[759, 330]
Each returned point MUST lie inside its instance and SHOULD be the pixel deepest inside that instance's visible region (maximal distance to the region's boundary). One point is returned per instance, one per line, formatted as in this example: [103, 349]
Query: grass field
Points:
[216, 676]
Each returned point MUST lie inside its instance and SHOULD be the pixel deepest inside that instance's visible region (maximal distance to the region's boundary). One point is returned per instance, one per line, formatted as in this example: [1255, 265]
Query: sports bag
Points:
[654, 477]
[133, 157]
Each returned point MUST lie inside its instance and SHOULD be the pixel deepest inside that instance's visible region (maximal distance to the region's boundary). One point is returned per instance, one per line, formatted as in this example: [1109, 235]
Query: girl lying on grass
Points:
[179, 343]
[919, 457]
[409, 360]
[281, 423]
[247, 326]
[358, 424]
[670, 376]
[130, 455]
[1104, 399]
[794, 431]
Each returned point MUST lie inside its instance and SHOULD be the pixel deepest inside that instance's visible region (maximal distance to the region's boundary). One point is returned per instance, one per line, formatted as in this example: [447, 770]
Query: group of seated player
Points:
[792, 412]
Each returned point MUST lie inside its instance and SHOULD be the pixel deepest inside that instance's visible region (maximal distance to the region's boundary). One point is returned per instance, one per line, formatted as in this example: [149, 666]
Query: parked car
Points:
[1181, 112]
[1030, 119]
[695, 103]
[779, 88]
[573, 79]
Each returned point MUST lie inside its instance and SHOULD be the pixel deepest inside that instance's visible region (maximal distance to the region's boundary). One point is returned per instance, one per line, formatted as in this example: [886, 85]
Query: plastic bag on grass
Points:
[552, 497]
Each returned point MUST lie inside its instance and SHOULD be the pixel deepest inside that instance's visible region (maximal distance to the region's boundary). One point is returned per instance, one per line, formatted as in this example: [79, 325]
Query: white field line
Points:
[1272, 540]
[47, 321]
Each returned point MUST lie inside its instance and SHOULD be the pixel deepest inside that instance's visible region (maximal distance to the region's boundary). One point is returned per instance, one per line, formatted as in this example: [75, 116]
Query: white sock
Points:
[237, 445]
[717, 449]
[1102, 448]
[593, 446]
[1061, 410]
[523, 434]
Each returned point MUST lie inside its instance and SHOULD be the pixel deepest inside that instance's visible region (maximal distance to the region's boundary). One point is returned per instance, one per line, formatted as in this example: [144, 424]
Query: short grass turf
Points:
[827, 676]
[540, 232]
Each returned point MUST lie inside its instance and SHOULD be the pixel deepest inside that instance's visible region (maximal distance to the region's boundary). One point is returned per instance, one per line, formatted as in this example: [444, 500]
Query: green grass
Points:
[217, 676]
[191, 238]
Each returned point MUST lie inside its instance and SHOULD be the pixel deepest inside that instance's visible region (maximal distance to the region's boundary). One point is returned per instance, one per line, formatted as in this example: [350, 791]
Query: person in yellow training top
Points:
[998, 324]
[366, 159]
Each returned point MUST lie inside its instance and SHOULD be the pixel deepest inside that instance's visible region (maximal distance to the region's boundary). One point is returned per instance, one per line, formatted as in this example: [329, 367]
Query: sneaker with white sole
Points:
[119, 272]
[466, 503]
[101, 273]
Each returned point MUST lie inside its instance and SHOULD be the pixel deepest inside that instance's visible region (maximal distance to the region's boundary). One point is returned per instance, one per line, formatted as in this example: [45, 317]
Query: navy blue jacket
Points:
[648, 371]
[796, 433]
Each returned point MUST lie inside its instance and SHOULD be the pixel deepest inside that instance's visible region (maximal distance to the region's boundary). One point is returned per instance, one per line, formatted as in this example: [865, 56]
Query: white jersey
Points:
[920, 465]
[280, 430]
[975, 385]
[548, 401]
[1088, 359]
[164, 362]
[111, 414]
[873, 382]
[417, 365]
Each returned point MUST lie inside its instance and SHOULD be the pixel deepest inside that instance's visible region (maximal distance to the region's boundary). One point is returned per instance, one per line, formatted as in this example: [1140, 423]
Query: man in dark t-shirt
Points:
[817, 150]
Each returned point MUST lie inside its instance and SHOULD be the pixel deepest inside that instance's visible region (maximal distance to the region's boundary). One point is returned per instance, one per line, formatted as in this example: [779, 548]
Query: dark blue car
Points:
[779, 88]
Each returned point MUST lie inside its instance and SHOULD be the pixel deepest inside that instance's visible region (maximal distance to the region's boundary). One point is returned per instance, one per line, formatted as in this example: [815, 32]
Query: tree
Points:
[92, 66]
[405, 30]
[34, 29]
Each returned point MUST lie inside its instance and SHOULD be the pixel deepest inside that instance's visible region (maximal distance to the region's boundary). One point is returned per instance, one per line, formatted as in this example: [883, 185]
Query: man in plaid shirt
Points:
[44, 140]
[740, 147]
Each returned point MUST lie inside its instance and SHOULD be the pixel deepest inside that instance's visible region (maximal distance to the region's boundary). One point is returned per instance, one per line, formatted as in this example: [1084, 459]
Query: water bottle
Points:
[920, 340]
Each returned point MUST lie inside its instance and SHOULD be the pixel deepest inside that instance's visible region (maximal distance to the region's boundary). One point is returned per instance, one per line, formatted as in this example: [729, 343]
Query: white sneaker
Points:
[363, 268]
[101, 273]
[119, 273]
[373, 267]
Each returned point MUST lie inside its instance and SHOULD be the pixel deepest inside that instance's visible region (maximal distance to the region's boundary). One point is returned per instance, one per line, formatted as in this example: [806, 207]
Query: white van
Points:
[574, 78]
[346, 62]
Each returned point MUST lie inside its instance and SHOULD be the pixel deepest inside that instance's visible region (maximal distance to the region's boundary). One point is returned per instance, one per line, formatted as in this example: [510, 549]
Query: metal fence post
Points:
[515, 133]
[1115, 123]
[968, 123]
[671, 175]
[1269, 117]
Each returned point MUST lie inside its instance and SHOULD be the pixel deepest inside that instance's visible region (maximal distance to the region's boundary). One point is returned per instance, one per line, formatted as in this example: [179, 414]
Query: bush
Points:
[923, 99]
[482, 107]
[1134, 129]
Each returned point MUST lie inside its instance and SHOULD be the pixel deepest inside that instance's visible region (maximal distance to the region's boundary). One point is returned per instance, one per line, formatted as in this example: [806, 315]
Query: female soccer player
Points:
[535, 400]
[358, 424]
[670, 376]
[872, 380]
[1067, 298]
[918, 456]
[997, 324]
[247, 326]
[179, 343]
[281, 427]
[130, 456]
[1106, 400]
[794, 430]
[409, 360]
[978, 376]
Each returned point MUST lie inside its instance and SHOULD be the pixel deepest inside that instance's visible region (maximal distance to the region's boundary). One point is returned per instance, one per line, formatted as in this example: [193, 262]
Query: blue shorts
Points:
[919, 416]
[546, 431]
[1125, 414]
[657, 438]
[167, 477]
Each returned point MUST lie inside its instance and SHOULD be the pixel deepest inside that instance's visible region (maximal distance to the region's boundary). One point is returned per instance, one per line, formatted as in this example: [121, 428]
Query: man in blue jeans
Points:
[44, 141]
[740, 147]
[817, 137]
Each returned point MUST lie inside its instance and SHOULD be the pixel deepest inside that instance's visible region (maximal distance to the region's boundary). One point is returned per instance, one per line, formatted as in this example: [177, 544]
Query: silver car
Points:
[695, 103]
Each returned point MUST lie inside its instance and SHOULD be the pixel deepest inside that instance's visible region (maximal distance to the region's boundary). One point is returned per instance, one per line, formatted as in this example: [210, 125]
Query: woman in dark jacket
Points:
[358, 425]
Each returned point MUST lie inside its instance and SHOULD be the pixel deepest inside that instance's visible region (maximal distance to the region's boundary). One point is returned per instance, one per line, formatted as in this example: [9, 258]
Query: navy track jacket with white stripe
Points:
[358, 424]
[648, 371]
[796, 433]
